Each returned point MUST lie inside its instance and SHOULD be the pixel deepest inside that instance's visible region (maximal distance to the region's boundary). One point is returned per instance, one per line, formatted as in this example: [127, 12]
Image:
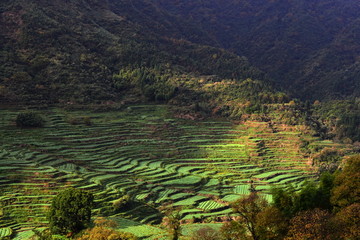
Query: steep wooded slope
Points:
[309, 47]
[70, 50]
[73, 48]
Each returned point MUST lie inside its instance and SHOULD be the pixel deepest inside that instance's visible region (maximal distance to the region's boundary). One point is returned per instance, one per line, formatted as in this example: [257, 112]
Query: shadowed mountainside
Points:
[69, 51]
[309, 47]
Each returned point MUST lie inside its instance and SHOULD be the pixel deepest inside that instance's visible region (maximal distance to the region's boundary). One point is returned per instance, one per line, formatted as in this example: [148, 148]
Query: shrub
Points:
[29, 119]
[103, 231]
[46, 235]
[86, 120]
[172, 222]
[70, 211]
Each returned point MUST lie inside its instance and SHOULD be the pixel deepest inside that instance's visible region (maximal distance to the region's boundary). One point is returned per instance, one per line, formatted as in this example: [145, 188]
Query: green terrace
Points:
[160, 161]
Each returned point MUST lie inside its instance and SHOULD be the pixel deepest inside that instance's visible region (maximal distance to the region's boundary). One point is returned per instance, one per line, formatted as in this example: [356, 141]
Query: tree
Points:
[172, 221]
[257, 217]
[312, 224]
[70, 211]
[328, 159]
[347, 188]
[311, 195]
[284, 200]
[271, 224]
[349, 220]
[233, 230]
[307, 197]
[248, 209]
[325, 187]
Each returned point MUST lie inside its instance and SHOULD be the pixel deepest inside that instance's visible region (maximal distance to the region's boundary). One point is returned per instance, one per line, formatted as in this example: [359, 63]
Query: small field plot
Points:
[142, 231]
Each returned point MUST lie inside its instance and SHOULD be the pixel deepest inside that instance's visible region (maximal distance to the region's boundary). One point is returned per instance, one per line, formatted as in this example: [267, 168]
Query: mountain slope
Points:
[70, 51]
[64, 49]
[310, 47]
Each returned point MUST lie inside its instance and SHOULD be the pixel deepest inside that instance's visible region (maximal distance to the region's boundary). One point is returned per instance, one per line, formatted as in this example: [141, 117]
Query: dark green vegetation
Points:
[69, 51]
[140, 162]
[309, 47]
[52, 55]
[29, 119]
[339, 119]
[70, 211]
[194, 54]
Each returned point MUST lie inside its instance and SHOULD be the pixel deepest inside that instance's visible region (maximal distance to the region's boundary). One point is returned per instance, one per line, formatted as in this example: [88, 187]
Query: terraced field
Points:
[161, 162]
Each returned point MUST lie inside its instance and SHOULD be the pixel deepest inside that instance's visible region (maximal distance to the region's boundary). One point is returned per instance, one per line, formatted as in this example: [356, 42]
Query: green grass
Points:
[178, 196]
[231, 198]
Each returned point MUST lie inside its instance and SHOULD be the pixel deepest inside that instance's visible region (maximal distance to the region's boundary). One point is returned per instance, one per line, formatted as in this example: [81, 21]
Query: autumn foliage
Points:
[313, 224]
[103, 231]
[347, 184]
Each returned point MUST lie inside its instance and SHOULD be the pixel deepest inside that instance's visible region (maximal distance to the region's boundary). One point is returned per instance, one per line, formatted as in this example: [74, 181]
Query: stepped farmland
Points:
[161, 162]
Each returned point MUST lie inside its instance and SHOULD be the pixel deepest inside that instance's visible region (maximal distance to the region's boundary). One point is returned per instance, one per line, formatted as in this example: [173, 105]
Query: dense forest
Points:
[309, 47]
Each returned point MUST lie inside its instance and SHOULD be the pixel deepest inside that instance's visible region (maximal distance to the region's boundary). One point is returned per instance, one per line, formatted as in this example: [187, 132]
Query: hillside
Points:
[309, 47]
[69, 51]
[66, 49]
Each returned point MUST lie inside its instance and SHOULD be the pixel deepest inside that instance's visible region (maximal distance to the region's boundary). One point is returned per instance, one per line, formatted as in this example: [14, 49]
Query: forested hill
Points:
[62, 51]
[310, 47]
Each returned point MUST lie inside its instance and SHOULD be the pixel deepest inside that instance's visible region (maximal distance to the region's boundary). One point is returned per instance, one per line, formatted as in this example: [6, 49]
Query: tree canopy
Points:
[70, 211]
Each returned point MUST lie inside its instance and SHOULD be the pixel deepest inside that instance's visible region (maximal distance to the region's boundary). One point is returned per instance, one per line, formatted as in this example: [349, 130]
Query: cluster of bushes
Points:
[78, 120]
[29, 119]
